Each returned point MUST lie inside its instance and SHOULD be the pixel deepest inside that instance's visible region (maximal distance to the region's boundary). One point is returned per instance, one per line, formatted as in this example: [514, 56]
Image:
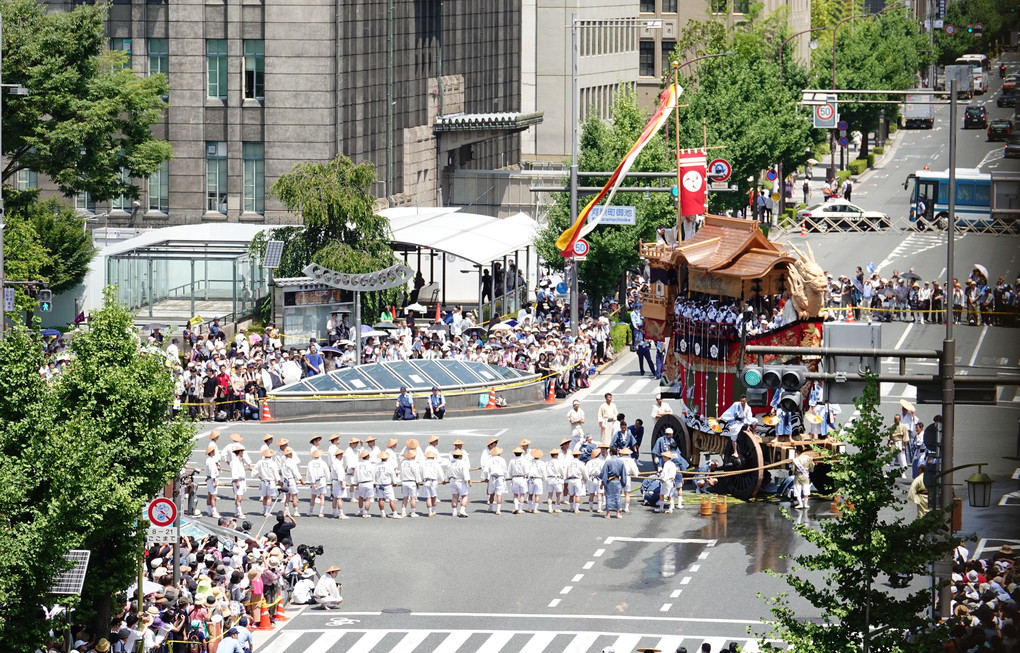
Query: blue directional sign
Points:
[614, 214]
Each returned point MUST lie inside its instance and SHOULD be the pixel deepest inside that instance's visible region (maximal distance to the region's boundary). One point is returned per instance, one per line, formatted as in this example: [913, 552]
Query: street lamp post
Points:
[782, 48]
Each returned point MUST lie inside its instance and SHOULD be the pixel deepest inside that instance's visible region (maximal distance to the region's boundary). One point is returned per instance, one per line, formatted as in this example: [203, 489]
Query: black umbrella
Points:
[331, 349]
[910, 276]
[474, 330]
[384, 325]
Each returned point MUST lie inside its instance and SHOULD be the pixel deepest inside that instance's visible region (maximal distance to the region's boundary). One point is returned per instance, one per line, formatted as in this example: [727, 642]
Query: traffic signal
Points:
[45, 300]
[786, 379]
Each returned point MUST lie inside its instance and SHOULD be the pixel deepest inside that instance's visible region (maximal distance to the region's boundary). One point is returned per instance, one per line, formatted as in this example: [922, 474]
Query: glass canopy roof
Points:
[418, 375]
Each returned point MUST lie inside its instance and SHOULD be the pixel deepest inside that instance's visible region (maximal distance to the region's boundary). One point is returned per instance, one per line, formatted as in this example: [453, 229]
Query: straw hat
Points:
[384, 455]
[411, 444]
[353, 441]
[236, 437]
[411, 453]
[433, 439]
[458, 443]
[317, 453]
[365, 454]
[392, 442]
[267, 437]
[536, 453]
[283, 443]
[288, 451]
[430, 454]
[267, 453]
[492, 442]
[314, 438]
[210, 449]
[907, 406]
[497, 451]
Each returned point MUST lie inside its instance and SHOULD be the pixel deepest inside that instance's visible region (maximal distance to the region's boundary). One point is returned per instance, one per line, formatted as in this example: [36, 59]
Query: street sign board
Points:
[9, 300]
[950, 30]
[825, 114]
[771, 175]
[161, 535]
[842, 125]
[614, 214]
[720, 170]
[561, 288]
[940, 10]
[843, 142]
[162, 512]
[718, 185]
[581, 249]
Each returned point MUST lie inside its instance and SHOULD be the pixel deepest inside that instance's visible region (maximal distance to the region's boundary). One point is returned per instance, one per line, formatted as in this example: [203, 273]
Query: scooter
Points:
[1002, 70]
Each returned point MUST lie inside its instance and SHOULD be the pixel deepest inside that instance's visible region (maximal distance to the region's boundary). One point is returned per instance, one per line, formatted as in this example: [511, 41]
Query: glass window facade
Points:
[123, 45]
[254, 178]
[216, 68]
[216, 177]
[159, 56]
[159, 189]
[646, 59]
[254, 69]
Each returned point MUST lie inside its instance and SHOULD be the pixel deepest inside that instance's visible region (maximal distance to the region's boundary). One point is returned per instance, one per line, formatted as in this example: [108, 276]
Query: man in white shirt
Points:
[737, 417]
[576, 420]
[606, 416]
[212, 476]
[268, 474]
[327, 591]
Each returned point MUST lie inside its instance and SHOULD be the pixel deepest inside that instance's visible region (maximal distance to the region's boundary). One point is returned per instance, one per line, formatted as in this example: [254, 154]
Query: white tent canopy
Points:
[479, 239]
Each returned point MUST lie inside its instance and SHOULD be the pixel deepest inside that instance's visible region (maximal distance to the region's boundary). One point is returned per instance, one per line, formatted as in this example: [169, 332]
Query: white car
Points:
[840, 215]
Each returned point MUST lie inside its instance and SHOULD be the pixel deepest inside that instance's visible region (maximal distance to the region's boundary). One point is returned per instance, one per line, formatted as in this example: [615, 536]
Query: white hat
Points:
[668, 430]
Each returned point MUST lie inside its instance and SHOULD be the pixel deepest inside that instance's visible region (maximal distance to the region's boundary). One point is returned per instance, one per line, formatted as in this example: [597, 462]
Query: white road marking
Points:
[600, 617]
[325, 642]
[449, 645]
[566, 589]
[611, 385]
[495, 642]
[694, 568]
[598, 552]
[657, 540]
[554, 603]
[626, 643]
[538, 643]
[703, 555]
[686, 580]
[665, 607]
[581, 643]
[977, 347]
[589, 564]
[902, 339]
[670, 643]
[371, 638]
[282, 642]
[636, 387]
[675, 593]
[577, 578]
[411, 641]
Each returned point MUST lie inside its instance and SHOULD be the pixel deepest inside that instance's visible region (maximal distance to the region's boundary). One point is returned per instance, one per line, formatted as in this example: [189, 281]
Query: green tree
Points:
[341, 229]
[866, 540]
[881, 52]
[995, 17]
[80, 457]
[87, 116]
[737, 100]
[614, 248]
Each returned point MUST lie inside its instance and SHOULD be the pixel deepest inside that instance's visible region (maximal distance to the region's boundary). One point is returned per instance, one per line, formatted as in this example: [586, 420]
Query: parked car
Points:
[975, 116]
[1009, 82]
[840, 215]
[1012, 146]
[1006, 99]
[998, 130]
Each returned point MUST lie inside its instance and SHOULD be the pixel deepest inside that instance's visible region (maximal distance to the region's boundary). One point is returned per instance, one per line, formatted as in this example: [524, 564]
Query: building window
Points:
[26, 179]
[646, 59]
[122, 203]
[741, 6]
[216, 177]
[159, 56]
[254, 178]
[718, 6]
[122, 45]
[647, 6]
[667, 55]
[669, 6]
[159, 189]
[83, 202]
[255, 69]
[216, 67]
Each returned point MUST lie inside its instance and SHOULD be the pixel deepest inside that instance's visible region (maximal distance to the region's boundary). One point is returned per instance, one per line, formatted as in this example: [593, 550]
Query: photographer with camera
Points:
[327, 591]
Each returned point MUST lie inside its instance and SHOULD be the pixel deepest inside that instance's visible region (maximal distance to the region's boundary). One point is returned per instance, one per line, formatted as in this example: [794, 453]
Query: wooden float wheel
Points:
[746, 485]
[681, 435]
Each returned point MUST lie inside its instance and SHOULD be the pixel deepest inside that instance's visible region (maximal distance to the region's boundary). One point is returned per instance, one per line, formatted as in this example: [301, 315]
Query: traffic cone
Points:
[437, 313]
[803, 227]
[280, 616]
[492, 398]
[265, 624]
[551, 399]
[850, 315]
[266, 415]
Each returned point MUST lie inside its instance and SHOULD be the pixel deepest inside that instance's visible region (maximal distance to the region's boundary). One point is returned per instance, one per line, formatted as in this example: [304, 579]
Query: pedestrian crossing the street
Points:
[488, 641]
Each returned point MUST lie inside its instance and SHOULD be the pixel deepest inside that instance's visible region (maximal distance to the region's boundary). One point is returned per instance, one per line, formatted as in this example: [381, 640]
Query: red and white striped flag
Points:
[693, 169]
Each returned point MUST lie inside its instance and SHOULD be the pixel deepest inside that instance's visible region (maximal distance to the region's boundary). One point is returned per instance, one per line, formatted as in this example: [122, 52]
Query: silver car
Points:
[841, 215]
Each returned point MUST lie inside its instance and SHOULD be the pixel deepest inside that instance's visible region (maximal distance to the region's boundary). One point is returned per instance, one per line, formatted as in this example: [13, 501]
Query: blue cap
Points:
[232, 631]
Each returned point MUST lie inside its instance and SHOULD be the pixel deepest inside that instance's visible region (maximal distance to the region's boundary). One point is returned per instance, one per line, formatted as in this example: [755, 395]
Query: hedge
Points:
[878, 149]
[871, 160]
[857, 166]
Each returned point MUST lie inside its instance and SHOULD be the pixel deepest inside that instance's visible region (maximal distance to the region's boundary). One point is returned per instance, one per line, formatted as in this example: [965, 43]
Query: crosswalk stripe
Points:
[367, 641]
[453, 642]
[611, 385]
[538, 643]
[596, 382]
[717, 643]
[581, 643]
[627, 643]
[751, 646]
[283, 641]
[496, 642]
[636, 387]
[670, 643]
[325, 642]
[411, 641]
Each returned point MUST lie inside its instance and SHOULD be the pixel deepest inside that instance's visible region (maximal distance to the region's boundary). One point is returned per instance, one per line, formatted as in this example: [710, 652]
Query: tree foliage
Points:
[614, 248]
[996, 17]
[864, 542]
[341, 229]
[80, 456]
[87, 115]
[738, 101]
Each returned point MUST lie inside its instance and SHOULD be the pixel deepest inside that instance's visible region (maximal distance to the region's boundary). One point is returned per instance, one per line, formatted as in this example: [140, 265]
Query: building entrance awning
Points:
[479, 239]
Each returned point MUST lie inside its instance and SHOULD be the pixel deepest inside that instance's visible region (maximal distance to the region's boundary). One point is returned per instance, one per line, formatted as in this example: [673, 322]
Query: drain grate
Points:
[396, 611]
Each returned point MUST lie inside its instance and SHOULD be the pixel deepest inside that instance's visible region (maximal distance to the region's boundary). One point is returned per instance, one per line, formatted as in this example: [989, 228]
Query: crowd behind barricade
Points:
[906, 297]
[984, 605]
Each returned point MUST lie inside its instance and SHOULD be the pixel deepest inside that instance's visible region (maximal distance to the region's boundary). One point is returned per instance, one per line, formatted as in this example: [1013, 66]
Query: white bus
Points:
[929, 199]
[982, 69]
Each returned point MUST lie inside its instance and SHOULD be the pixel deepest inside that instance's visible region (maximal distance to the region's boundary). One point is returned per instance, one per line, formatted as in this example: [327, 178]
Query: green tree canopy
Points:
[614, 248]
[80, 456]
[87, 115]
[738, 101]
[866, 541]
[341, 229]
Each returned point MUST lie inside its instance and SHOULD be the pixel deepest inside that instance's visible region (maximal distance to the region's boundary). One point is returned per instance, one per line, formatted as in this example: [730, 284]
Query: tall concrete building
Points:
[419, 88]
[621, 43]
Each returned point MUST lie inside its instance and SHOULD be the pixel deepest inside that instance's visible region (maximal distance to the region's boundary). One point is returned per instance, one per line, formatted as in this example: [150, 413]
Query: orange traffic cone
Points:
[265, 624]
[266, 415]
[437, 314]
[850, 315]
[551, 399]
[492, 398]
[280, 616]
[803, 227]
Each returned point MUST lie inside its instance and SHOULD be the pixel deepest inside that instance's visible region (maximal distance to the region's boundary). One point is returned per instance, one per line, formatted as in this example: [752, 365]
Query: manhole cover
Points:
[396, 611]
